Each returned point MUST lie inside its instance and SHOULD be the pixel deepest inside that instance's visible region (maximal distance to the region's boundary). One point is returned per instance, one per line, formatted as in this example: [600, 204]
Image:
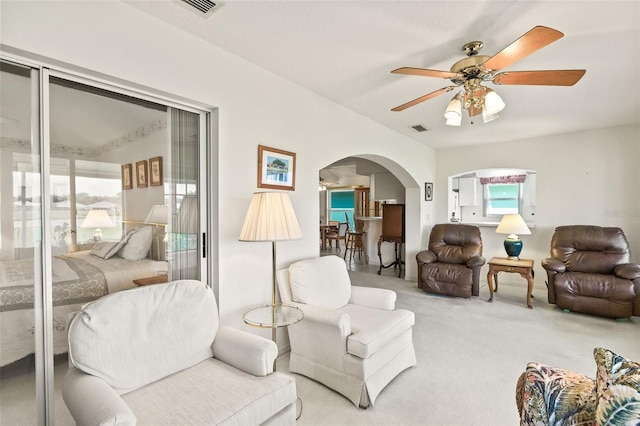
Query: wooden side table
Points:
[158, 279]
[524, 267]
[398, 262]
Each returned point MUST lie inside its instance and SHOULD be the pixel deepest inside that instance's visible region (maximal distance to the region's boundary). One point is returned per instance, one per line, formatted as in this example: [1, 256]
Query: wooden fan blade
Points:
[541, 78]
[423, 98]
[537, 38]
[424, 72]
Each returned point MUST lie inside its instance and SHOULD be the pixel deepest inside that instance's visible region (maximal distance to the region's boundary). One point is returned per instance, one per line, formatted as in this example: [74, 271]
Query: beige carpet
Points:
[470, 354]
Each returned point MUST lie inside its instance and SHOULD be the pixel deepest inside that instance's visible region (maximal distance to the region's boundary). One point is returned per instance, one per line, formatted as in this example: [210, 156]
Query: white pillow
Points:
[138, 244]
[322, 281]
[135, 337]
[106, 249]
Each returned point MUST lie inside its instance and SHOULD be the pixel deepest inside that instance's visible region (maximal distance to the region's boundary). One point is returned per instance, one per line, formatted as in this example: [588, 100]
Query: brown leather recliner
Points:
[451, 265]
[589, 272]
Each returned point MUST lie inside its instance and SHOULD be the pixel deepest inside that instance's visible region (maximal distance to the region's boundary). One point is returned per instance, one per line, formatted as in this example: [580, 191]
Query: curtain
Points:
[503, 179]
[184, 197]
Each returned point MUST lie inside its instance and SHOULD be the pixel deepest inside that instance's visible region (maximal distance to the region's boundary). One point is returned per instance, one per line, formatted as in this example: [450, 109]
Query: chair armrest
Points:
[324, 317]
[91, 401]
[475, 262]
[628, 271]
[554, 265]
[548, 392]
[426, 256]
[379, 298]
[321, 336]
[248, 352]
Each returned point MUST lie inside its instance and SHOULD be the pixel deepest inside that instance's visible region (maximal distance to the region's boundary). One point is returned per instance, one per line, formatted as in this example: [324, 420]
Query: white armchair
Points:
[157, 355]
[352, 339]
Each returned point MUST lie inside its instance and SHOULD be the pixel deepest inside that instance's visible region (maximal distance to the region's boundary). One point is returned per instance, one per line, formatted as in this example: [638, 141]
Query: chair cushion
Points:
[212, 393]
[135, 337]
[455, 243]
[373, 329]
[617, 388]
[587, 248]
[321, 281]
[600, 286]
[446, 278]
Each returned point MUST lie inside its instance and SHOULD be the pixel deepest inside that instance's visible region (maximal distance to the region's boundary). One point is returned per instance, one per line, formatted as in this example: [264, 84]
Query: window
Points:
[341, 202]
[502, 198]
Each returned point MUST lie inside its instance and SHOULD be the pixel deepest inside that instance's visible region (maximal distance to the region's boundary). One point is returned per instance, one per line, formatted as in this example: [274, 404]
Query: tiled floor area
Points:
[358, 263]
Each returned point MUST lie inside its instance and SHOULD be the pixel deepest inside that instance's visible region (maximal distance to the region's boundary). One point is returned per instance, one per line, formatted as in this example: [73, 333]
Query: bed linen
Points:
[78, 278]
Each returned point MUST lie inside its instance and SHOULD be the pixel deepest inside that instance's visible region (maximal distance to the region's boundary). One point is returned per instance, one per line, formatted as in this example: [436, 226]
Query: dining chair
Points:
[337, 234]
[355, 242]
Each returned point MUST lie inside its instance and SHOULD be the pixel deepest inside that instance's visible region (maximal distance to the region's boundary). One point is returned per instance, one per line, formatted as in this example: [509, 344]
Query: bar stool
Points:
[355, 242]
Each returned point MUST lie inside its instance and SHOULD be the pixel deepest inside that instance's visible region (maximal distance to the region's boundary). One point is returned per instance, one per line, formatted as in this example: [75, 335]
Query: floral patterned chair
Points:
[553, 396]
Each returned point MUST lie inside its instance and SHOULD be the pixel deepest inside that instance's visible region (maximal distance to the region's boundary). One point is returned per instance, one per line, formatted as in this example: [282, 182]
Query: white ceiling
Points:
[345, 50]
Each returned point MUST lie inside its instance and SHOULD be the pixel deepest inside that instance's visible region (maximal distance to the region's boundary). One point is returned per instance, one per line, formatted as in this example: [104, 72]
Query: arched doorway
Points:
[373, 180]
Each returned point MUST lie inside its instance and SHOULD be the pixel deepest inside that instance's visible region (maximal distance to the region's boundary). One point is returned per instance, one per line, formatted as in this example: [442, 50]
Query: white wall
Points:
[586, 178]
[255, 107]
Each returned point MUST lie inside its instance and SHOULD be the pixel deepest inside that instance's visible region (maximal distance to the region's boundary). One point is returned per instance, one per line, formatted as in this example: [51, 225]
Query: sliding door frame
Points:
[208, 156]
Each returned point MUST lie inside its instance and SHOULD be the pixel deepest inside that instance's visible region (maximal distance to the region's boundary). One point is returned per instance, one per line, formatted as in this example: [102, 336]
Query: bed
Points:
[78, 278]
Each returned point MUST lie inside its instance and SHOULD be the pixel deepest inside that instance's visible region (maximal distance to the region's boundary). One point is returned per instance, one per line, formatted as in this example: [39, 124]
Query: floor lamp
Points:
[271, 218]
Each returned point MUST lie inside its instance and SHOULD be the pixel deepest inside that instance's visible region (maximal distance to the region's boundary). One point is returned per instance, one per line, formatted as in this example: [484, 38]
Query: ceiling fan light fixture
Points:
[455, 121]
[493, 103]
[487, 117]
[454, 109]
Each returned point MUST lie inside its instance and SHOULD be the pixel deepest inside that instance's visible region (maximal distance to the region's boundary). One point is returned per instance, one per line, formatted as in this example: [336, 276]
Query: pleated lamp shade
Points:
[270, 218]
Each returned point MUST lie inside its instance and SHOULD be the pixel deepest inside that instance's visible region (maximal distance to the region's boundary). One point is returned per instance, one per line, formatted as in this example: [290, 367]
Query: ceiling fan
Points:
[470, 72]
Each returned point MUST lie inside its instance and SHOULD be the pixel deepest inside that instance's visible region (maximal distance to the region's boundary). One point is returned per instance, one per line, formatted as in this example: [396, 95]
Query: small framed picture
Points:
[428, 191]
[276, 168]
[141, 174]
[127, 181]
[155, 171]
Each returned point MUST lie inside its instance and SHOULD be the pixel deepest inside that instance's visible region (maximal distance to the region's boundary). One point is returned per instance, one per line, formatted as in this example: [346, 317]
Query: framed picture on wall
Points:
[127, 181]
[155, 171]
[276, 168]
[428, 191]
[141, 174]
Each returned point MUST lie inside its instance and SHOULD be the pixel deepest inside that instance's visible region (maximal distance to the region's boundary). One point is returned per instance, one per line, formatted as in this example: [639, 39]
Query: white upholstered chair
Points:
[351, 339]
[158, 355]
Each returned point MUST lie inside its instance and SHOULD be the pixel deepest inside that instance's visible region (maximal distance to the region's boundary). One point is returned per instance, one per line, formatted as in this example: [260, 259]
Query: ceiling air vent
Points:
[419, 128]
[204, 8]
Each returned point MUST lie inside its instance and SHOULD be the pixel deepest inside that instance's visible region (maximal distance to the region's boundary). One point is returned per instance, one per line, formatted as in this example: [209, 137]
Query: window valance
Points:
[503, 179]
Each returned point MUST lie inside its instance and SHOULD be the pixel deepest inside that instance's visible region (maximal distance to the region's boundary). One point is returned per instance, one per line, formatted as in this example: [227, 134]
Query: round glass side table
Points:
[272, 316]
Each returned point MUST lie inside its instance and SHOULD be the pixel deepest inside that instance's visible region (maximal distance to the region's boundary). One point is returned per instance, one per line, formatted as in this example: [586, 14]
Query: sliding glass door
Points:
[22, 320]
[84, 166]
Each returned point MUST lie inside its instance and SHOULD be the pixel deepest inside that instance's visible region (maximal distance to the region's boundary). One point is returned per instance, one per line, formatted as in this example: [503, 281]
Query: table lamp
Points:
[271, 218]
[158, 216]
[513, 224]
[97, 218]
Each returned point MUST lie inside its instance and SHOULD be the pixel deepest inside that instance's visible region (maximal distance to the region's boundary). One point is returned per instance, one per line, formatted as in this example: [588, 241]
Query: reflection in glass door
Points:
[106, 166]
[21, 254]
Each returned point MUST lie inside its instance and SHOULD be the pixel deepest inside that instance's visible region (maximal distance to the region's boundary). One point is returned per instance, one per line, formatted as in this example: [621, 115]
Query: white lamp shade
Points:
[454, 121]
[512, 224]
[493, 103]
[454, 109]
[97, 218]
[486, 117]
[188, 216]
[270, 218]
[158, 215]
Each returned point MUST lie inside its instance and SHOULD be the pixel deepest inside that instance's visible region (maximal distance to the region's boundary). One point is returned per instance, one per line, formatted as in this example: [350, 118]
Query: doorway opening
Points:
[353, 190]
